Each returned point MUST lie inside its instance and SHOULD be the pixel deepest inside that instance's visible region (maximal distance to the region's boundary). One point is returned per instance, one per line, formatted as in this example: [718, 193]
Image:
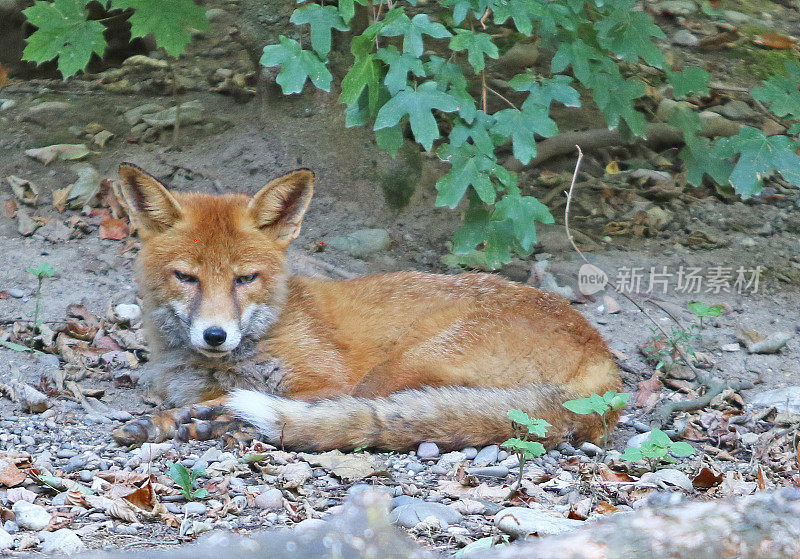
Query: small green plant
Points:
[701, 310]
[524, 426]
[601, 405]
[661, 350]
[41, 272]
[187, 480]
[657, 449]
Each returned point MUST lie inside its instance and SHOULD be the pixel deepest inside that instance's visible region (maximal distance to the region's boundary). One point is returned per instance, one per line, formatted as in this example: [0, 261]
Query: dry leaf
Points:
[609, 475]
[3, 75]
[774, 41]
[720, 39]
[10, 475]
[109, 198]
[60, 197]
[67, 152]
[11, 208]
[604, 507]
[348, 467]
[706, 479]
[113, 228]
[612, 168]
[25, 191]
[762, 484]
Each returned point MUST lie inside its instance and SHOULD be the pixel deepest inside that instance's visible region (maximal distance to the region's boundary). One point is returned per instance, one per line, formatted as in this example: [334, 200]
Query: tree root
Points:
[714, 387]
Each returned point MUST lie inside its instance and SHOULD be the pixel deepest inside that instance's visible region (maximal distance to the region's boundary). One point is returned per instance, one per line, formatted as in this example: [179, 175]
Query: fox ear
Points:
[151, 207]
[279, 207]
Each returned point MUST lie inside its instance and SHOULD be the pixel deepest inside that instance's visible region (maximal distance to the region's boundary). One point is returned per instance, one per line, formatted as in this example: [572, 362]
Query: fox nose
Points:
[214, 336]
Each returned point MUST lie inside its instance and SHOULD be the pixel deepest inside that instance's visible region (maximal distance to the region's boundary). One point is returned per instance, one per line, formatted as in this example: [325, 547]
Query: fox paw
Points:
[266, 412]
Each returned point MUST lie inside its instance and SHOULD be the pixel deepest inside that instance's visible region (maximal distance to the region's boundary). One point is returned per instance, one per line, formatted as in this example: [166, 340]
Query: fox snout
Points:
[215, 337]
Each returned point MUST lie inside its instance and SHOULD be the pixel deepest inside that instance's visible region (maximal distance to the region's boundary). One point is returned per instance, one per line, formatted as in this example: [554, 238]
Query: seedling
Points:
[601, 405]
[700, 310]
[187, 480]
[42, 272]
[661, 350]
[658, 448]
[524, 426]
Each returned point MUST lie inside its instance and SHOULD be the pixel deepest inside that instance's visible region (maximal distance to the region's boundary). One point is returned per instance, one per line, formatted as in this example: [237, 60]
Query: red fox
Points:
[383, 361]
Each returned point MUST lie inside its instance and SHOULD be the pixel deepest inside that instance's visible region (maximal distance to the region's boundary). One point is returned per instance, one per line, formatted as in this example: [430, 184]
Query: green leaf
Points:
[297, 65]
[660, 438]
[650, 449]
[477, 45]
[615, 98]
[461, 8]
[581, 406]
[781, 93]
[519, 416]
[43, 270]
[538, 427]
[412, 31]
[628, 34]
[364, 74]
[181, 476]
[522, 126]
[390, 139]
[418, 105]
[631, 454]
[690, 80]
[681, 449]
[545, 91]
[619, 401]
[759, 157]
[170, 21]
[201, 493]
[701, 310]
[524, 212]
[399, 66]
[483, 241]
[322, 20]
[599, 405]
[528, 448]
[14, 347]
[64, 32]
[464, 172]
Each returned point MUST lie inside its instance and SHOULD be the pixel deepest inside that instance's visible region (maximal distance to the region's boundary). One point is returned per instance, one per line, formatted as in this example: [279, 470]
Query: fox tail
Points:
[453, 417]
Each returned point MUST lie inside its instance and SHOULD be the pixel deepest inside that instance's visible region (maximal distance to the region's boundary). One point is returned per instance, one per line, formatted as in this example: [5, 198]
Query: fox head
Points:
[211, 268]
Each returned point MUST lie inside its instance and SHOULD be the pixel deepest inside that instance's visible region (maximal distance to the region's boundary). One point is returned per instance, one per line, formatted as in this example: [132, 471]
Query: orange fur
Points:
[369, 337]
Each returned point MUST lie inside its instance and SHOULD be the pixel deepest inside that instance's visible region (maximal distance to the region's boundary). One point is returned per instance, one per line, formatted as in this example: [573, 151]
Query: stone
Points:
[736, 110]
[6, 540]
[470, 452]
[143, 61]
[25, 225]
[735, 17]
[784, 400]
[685, 39]
[417, 510]
[63, 541]
[516, 59]
[489, 471]
[428, 450]
[49, 106]
[770, 344]
[134, 116]
[194, 507]
[676, 7]
[215, 13]
[520, 522]
[191, 112]
[6, 104]
[361, 242]
[668, 478]
[30, 516]
[129, 313]
[591, 449]
[16, 293]
[272, 499]
[308, 524]
[486, 456]
[637, 440]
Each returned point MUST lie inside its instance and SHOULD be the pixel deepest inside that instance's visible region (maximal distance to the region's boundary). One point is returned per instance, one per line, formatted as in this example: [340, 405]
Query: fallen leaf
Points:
[609, 475]
[25, 191]
[110, 198]
[66, 152]
[774, 41]
[604, 507]
[113, 228]
[648, 393]
[60, 198]
[612, 168]
[348, 467]
[455, 490]
[706, 479]
[11, 208]
[762, 484]
[720, 39]
[10, 475]
[3, 75]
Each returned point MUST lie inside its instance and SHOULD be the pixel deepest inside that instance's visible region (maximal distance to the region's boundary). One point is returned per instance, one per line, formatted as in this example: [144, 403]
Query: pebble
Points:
[214, 14]
[308, 524]
[428, 450]
[271, 499]
[417, 510]
[667, 478]
[449, 459]
[63, 541]
[415, 467]
[520, 522]
[489, 471]
[566, 449]
[470, 452]
[486, 456]
[362, 242]
[591, 449]
[6, 540]
[685, 38]
[736, 110]
[6, 104]
[194, 507]
[30, 516]
[16, 293]
[126, 529]
[784, 400]
[511, 462]
[637, 440]
[129, 313]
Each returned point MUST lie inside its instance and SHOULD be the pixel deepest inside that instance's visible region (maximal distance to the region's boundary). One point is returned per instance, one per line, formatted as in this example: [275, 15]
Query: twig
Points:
[501, 96]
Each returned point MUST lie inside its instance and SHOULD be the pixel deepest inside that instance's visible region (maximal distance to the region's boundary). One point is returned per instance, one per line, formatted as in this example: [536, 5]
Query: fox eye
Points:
[242, 280]
[186, 278]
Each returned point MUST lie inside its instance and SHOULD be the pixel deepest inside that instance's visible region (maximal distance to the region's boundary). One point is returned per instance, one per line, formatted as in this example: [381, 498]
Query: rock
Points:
[486, 456]
[25, 225]
[591, 449]
[32, 400]
[449, 459]
[676, 7]
[134, 116]
[566, 449]
[30, 516]
[361, 242]
[215, 13]
[83, 191]
[516, 59]
[6, 104]
[63, 541]
[101, 138]
[191, 112]
[128, 313]
[49, 106]
[737, 18]
[685, 39]
[271, 499]
[489, 471]
[6, 540]
[520, 522]
[194, 507]
[637, 440]
[668, 478]
[737, 110]
[771, 344]
[294, 475]
[611, 305]
[714, 124]
[511, 462]
[428, 450]
[308, 524]
[784, 400]
[16, 293]
[143, 61]
[730, 347]
[470, 452]
[417, 510]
